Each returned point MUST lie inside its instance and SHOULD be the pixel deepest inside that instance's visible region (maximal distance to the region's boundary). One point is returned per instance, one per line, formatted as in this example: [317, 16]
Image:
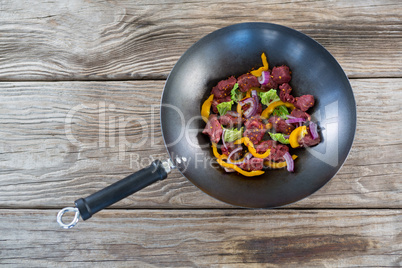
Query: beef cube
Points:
[304, 102]
[255, 130]
[253, 164]
[300, 114]
[284, 93]
[280, 125]
[308, 141]
[223, 88]
[281, 74]
[247, 81]
[229, 120]
[213, 128]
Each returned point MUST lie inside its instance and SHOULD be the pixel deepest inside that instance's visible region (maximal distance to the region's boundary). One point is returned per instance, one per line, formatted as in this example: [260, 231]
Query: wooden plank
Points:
[91, 40]
[41, 167]
[204, 238]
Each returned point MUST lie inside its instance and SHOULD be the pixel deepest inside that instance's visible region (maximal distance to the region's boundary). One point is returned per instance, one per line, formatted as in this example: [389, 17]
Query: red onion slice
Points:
[252, 109]
[313, 130]
[233, 152]
[223, 138]
[230, 162]
[289, 162]
[264, 78]
[246, 158]
[228, 170]
[254, 95]
[232, 113]
[295, 120]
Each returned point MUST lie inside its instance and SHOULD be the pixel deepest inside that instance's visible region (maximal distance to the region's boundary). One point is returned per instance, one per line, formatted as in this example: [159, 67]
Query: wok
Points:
[235, 50]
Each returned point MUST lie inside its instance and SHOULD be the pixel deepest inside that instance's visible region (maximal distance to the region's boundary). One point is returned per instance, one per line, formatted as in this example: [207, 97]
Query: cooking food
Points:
[253, 126]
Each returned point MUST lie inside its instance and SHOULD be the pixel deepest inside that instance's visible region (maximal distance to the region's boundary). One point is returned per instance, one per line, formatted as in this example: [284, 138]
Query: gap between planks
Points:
[215, 208]
[156, 79]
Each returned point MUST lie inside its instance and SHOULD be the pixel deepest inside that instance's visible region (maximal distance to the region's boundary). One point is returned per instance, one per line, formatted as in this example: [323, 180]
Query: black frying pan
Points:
[235, 50]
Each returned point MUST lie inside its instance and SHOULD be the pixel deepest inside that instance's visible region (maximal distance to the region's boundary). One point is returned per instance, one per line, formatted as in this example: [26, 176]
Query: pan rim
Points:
[249, 25]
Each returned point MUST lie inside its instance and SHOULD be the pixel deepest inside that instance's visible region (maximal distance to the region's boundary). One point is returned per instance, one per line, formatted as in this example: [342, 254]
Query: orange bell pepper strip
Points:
[259, 71]
[241, 171]
[296, 135]
[216, 154]
[265, 114]
[276, 165]
[206, 108]
[251, 148]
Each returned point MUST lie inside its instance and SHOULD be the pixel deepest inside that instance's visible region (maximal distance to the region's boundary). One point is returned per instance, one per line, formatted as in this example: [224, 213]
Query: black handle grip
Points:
[121, 189]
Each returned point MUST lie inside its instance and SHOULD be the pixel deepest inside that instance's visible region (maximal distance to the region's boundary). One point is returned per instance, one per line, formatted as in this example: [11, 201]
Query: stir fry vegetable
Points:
[253, 121]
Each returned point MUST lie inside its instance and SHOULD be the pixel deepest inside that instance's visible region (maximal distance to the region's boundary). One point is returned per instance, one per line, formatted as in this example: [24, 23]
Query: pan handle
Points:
[86, 207]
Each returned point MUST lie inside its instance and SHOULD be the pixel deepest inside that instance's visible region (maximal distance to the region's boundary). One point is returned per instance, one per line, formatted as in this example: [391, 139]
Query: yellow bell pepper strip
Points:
[241, 171]
[251, 148]
[268, 126]
[238, 108]
[275, 165]
[238, 161]
[259, 71]
[206, 108]
[216, 154]
[265, 114]
[296, 135]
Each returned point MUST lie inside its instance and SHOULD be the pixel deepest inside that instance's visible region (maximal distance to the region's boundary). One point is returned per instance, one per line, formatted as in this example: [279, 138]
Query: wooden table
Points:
[77, 74]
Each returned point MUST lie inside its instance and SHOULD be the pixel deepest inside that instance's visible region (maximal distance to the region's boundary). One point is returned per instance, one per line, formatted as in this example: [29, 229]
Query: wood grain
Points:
[40, 167]
[107, 40]
[204, 238]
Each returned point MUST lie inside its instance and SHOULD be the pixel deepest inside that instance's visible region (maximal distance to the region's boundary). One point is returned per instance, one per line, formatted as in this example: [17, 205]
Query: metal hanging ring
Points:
[73, 222]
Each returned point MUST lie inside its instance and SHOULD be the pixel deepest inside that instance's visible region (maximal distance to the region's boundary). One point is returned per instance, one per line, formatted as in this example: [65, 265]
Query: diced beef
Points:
[259, 109]
[255, 135]
[264, 146]
[223, 88]
[230, 146]
[216, 101]
[271, 84]
[285, 88]
[281, 74]
[280, 125]
[308, 141]
[255, 130]
[229, 120]
[247, 81]
[277, 150]
[213, 128]
[300, 114]
[253, 121]
[304, 102]
[253, 164]
[277, 153]
[284, 93]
